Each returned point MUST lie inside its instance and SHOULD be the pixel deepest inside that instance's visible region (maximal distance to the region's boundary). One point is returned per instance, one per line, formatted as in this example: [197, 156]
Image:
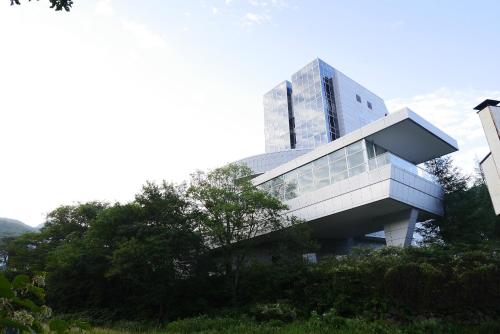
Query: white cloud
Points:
[451, 111]
[215, 10]
[269, 3]
[251, 19]
[144, 36]
[258, 3]
[104, 7]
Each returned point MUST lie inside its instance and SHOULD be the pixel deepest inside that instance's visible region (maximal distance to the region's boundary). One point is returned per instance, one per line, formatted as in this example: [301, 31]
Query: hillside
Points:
[12, 227]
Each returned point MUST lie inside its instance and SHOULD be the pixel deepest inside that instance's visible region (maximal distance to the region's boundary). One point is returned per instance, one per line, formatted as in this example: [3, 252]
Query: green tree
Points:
[162, 252]
[132, 260]
[26, 254]
[55, 4]
[468, 213]
[232, 213]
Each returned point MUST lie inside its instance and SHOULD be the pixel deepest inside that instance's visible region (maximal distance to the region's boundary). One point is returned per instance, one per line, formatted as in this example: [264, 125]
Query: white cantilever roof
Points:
[403, 133]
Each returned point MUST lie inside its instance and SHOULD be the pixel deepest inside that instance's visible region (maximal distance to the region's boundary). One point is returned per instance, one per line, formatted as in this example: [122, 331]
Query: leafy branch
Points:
[55, 4]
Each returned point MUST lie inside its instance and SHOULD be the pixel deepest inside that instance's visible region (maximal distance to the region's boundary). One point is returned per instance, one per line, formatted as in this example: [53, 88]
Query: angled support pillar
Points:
[399, 227]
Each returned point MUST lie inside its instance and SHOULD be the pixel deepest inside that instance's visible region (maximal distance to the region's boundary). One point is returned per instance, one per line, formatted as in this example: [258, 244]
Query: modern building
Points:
[489, 113]
[319, 105]
[343, 164]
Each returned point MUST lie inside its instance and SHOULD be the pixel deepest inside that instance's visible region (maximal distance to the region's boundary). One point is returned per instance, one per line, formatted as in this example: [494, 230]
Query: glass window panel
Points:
[277, 191]
[370, 149]
[339, 177]
[304, 169]
[291, 185]
[355, 147]
[379, 150]
[306, 182]
[338, 166]
[357, 170]
[321, 177]
[382, 160]
[277, 180]
[337, 155]
[266, 186]
[356, 159]
[320, 162]
[372, 163]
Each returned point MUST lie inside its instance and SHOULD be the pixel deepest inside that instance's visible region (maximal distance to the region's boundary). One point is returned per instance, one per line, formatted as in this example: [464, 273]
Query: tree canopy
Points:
[468, 213]
[55, 4]
[147, 257]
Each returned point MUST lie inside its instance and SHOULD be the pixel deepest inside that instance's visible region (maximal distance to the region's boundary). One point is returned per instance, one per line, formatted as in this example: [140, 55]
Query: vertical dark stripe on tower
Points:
[333, 123]
[291, 119]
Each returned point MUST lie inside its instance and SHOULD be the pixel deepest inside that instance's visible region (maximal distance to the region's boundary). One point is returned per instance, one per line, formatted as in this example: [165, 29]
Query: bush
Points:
[277, 311]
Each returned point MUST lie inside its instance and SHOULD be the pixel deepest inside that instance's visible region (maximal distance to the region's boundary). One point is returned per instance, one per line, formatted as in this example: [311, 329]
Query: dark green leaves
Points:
[59, 326]
[21, 309]
[55, 4]
[5, 288]
[21, 281]
[61, 4]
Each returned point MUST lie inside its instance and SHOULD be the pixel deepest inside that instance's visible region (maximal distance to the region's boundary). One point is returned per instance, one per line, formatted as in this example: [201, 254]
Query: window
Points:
[355, 159]
[369, 104]
[358, 98]
[291, 185]
[336, 166]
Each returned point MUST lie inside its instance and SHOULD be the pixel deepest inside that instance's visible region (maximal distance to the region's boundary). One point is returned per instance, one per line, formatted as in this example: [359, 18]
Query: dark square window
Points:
[369, 104]
[358, 98]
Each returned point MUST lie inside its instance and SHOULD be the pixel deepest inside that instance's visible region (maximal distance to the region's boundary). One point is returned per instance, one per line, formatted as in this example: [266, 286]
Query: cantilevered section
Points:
[365, 181]
[411, 137]
[402, 133]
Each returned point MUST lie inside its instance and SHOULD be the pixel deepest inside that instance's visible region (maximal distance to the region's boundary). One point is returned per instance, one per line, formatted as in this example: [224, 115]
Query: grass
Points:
[335, 325]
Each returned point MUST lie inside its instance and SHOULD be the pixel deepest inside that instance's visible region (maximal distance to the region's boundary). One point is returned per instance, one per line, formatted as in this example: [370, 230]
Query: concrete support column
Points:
[399, 227]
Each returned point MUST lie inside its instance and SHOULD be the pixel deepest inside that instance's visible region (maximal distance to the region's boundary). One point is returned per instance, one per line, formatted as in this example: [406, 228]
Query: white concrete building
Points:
[342, 163]
[489, 113]
[366, 181]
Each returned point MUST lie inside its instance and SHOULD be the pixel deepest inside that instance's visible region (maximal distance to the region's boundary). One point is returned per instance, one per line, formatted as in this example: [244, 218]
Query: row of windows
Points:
[368, 103]
[339, 165]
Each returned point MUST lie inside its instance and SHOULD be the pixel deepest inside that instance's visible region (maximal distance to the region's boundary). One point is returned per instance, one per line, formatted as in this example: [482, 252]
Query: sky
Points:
[95, 102]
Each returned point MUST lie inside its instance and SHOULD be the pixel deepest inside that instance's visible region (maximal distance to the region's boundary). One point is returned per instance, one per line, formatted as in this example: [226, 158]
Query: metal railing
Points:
[389, 158]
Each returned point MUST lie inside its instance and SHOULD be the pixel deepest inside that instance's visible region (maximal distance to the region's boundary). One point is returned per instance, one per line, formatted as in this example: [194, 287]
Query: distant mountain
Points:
[12, 228]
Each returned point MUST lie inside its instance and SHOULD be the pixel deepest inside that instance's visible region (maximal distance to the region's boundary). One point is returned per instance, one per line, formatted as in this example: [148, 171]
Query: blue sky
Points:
[397, 48]
[97, 101]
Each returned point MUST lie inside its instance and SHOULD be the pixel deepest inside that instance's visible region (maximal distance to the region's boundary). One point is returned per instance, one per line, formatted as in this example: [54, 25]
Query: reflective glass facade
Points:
[319, 105]
[316, 120]
[279, 119]
[336, 166]
[347, 162]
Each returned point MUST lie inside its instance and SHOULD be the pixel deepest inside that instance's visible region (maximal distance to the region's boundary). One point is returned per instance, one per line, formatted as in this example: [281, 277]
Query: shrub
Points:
[278, 311]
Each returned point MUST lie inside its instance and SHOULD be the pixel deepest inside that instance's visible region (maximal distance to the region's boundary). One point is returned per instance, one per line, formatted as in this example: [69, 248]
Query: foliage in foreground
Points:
[22, 308]
[328, 323]
[178, 251]
[21, 304]
[174, 251]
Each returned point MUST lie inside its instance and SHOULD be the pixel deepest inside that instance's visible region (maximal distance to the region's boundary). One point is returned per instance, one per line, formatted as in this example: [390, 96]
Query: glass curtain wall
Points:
[278, 115]
[309, 107]
[334, 167]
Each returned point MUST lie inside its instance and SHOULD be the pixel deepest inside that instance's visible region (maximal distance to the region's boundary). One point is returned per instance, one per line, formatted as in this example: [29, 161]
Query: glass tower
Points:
[319, 105]
[314, 104]
[278, 118]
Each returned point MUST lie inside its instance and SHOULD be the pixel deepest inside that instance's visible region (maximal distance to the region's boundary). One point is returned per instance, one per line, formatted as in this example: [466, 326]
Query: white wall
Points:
[353, 114]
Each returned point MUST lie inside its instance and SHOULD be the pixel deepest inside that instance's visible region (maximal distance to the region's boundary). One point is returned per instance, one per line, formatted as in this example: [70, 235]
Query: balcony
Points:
[389, 158]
